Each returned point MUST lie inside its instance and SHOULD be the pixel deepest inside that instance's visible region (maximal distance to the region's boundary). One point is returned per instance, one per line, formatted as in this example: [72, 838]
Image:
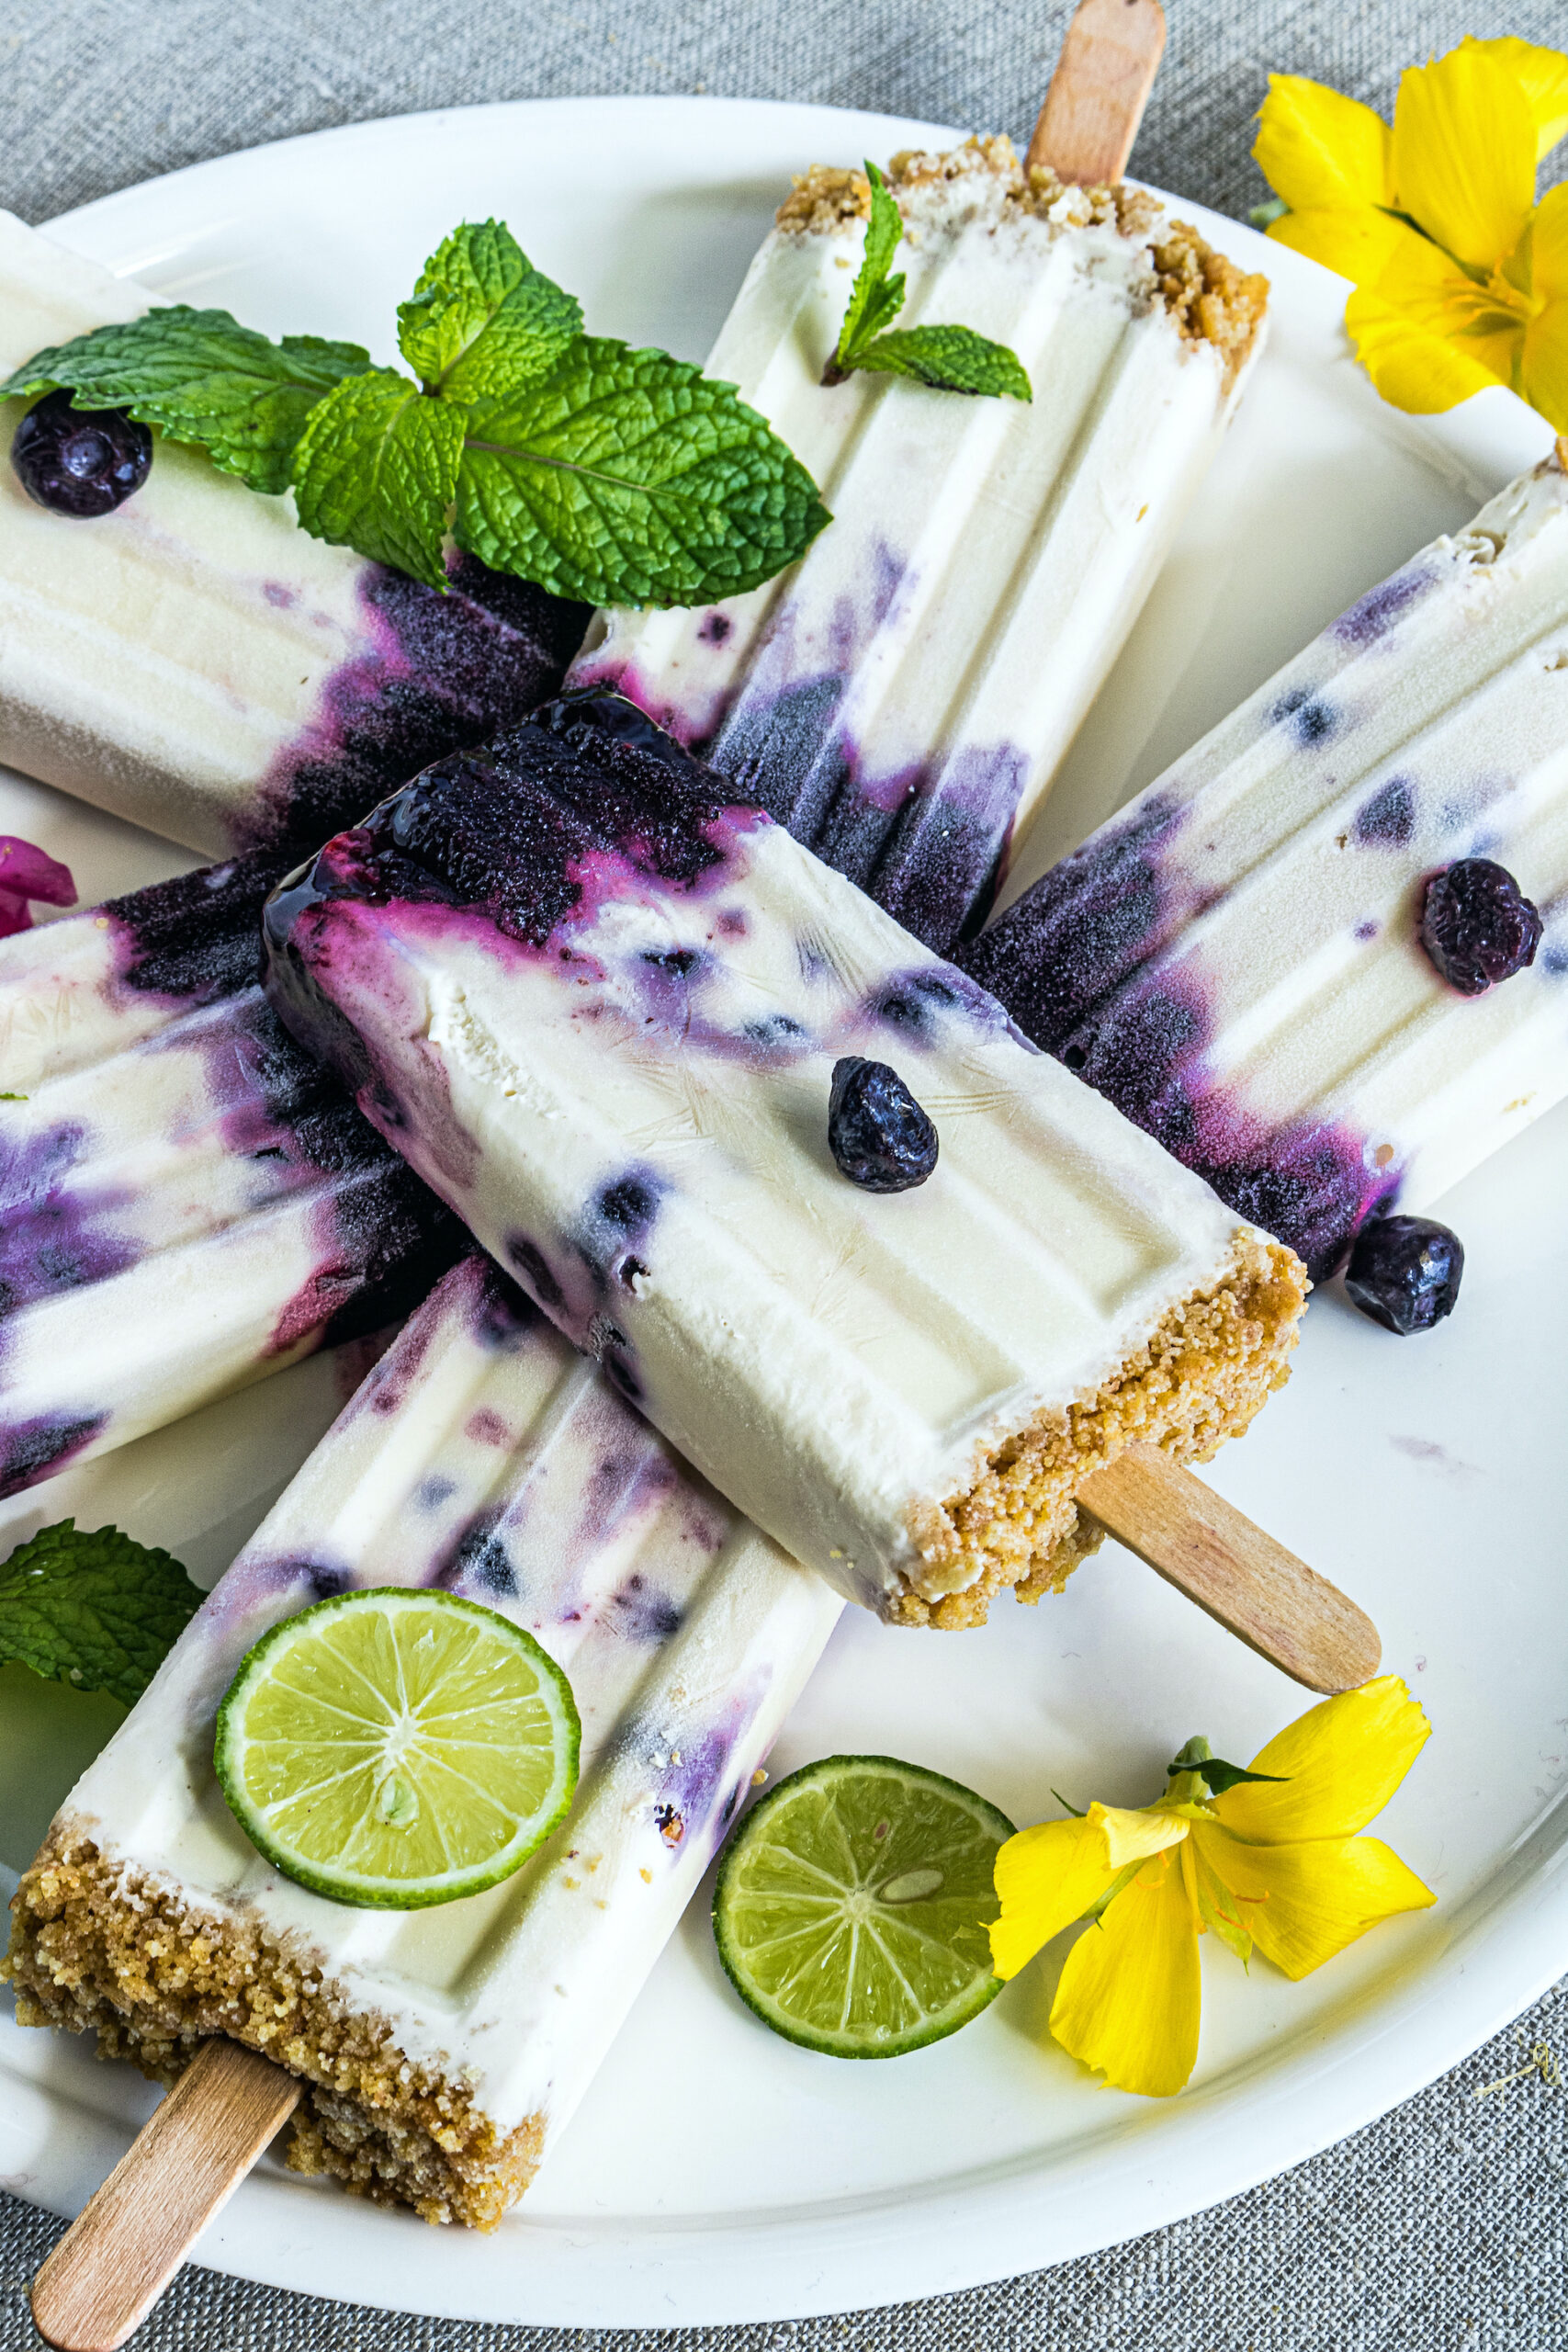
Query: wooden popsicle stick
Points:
[1251, 1585]
[123, 2249]
[1098, 91]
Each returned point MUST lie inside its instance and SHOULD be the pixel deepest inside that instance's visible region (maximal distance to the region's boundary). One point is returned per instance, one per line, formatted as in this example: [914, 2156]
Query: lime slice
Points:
[396, 1748]
[852, 1907]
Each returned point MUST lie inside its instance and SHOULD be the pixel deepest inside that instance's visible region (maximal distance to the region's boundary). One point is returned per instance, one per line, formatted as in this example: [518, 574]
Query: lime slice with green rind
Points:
[396, 1748]
[852, 1906]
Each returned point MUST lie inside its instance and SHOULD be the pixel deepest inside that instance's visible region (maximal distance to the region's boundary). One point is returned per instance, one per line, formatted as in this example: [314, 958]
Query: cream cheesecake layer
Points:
[196, 662]
[187, 1201]
[1236, 959]
[902, 698]
[444, 2049]
[599, 1015]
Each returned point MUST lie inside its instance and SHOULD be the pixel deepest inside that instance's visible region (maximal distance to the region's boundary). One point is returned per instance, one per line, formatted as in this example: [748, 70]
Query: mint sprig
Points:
[626, 477]
[615, 476]
[200, 376]
[99, 1610]
[948, 358]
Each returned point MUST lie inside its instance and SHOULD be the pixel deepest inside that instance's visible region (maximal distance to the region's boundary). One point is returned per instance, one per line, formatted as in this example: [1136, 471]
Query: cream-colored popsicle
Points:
[187, 1201]
[599, 1011]
[443, 2049]
[902, 698]
[1236, 959]
[197, 663]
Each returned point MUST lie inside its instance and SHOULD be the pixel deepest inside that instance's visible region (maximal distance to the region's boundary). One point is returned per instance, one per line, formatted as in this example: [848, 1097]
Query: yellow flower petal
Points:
[1132, 1833]
[1542, 74]
[1046, 1877]
[1359, 242]
[1320, 1894]
[1464, 155]
[1339, 1764]
[1548, 244]
[1320, 150]
[1543, 377]
[1129, 1998]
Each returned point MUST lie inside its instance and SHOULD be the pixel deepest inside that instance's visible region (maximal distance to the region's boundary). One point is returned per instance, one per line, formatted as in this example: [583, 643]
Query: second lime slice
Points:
[852, 1907]
[396, 1748]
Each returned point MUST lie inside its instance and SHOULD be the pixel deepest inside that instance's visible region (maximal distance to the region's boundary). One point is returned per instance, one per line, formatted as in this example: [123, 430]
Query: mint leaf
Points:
[875, 300]
[99, 1611]
[628, 478]
[483, 319]
[375, 471]
[951, 359]
[200, 376]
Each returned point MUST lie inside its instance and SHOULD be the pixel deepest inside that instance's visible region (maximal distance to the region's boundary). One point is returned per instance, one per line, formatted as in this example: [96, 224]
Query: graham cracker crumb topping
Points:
[1209, 299]
[1203, 1374]
[98, 1945]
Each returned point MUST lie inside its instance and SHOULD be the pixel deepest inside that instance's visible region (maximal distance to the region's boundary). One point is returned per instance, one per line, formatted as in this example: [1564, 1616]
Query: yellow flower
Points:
[1462, 278]
[1267, 1858]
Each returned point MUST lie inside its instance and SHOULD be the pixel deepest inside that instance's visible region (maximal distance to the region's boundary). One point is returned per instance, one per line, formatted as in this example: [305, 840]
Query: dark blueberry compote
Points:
[876, 1131]
[1405, 1272]
[1477, 925]
[79, 461]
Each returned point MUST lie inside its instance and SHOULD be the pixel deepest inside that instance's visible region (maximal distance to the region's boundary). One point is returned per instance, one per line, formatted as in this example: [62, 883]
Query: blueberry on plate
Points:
[876, 1131]
[79, 461]
[1405, 1272]
[1477, 925]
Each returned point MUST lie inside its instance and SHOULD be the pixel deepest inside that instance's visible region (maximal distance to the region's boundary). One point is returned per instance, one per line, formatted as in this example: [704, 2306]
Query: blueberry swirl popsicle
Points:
[1323, 957]
[599, 1008]
[443, 2049]
[186, 1200]
[195, 662]
[902, 698]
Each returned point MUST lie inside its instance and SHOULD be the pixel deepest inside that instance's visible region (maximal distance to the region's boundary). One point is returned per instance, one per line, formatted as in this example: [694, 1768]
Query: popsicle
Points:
[441, 2050]
[1249, 960]
[197, 663]
[187, 1201]
[600, 1008]
[902, 698]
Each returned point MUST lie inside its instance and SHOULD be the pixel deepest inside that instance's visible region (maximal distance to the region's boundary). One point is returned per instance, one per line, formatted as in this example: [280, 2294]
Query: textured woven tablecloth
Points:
[1443, 2226]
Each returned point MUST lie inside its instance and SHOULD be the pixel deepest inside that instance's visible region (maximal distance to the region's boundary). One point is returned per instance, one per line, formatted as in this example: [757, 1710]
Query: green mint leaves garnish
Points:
[200, 376]
[376, 471]
[615, 476]
[949, 358]
[100, 1612]
[626, 477]
[483, 319]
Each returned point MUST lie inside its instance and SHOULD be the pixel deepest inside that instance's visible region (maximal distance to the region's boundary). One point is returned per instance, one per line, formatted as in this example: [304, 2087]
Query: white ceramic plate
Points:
[717, 2173]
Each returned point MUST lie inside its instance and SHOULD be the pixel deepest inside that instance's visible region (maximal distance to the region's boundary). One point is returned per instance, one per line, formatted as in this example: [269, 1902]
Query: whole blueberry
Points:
[79, 461]
[1405, 1272]
[876, 1131]
[1477, 925]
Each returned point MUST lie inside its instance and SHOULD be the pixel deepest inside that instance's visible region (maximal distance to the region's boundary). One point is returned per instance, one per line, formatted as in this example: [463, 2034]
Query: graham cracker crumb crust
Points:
[1210, 1365]
[1206, 296]
[98, 1947]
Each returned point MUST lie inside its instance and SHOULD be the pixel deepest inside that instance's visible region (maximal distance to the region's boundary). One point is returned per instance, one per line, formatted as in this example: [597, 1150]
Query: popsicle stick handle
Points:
[1200, 1544]
[1099, 89]
[123, 2249]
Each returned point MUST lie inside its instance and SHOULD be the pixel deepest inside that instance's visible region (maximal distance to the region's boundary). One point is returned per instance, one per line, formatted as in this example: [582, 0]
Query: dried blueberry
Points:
[79, 461]
[876, 1131]
[1477, 925]
[1405, 1272]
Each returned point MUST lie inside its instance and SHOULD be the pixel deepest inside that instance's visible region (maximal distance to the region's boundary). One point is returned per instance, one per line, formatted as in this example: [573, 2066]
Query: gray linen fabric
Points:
[1441, 2229]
